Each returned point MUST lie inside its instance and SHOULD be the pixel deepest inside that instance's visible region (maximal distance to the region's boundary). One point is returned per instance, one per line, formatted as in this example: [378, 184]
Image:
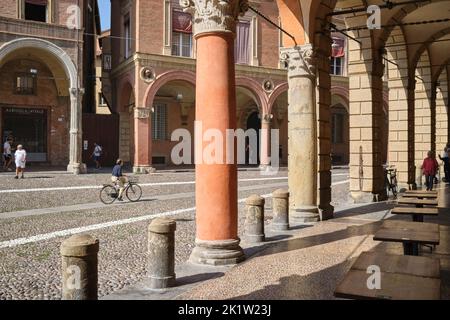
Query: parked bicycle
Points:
[391, 181]
[110, 192]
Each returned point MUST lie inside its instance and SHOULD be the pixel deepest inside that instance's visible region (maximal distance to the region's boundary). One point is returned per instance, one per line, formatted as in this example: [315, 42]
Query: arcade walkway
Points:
[309, 263]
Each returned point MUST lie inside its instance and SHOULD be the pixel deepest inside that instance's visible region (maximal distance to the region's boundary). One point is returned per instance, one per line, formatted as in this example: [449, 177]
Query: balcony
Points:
[26, 28]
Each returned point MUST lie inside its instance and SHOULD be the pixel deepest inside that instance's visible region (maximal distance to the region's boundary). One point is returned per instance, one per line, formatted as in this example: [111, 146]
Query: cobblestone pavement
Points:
[32, 270]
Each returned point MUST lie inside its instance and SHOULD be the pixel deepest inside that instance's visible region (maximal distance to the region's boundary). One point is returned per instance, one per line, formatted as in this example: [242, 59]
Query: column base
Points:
[304, 214]
[143, 169]
[77, 168]
[326, 212]
[217, 252]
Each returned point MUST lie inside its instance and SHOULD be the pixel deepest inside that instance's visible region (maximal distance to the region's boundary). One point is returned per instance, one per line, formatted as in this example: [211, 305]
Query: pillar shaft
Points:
[217, 242]
[265, 141]
[75, 152]
[142, 141]
[302, 162]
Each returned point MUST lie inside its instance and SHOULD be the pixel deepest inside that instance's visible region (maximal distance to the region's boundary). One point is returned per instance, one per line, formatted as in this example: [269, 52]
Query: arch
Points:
[340, 91]
[256, 89]
[278, 91]
[163, 79]
[33, 43]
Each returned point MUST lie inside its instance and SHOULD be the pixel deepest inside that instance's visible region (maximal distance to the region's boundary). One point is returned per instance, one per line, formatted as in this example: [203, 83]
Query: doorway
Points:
[253, 122]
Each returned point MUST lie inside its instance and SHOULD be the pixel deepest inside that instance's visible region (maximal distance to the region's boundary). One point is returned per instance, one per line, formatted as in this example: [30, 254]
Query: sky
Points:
[105, 16]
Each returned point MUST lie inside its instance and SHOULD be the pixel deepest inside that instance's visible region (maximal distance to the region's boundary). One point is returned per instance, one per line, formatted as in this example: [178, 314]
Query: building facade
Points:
[46, 82]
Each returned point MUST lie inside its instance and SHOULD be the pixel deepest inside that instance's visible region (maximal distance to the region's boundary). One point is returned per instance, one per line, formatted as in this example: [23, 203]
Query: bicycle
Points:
[110, 192]
[391, 181]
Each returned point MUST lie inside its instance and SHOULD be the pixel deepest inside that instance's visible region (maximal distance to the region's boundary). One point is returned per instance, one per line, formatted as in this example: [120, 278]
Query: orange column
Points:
[216, 242]
[142, 141]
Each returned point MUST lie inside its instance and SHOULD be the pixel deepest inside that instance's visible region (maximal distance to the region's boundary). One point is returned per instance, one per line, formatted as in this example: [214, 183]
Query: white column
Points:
[302, 163]
[75, 164]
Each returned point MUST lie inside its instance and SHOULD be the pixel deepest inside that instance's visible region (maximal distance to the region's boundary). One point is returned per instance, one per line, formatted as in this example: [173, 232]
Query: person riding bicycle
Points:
[119, 178]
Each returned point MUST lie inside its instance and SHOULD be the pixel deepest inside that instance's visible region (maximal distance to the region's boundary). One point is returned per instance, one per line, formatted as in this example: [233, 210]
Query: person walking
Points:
[20, 158]
[7, 154]
[118, 177]
[98, 150]
[429, 168]
[445, 160]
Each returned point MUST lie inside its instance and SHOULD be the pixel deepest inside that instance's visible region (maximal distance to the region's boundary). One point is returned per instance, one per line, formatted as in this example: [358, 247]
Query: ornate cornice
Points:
[214, 15]
[301, 61]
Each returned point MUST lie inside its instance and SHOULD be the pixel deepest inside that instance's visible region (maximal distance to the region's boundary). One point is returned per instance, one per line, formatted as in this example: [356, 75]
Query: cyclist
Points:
[119, 178]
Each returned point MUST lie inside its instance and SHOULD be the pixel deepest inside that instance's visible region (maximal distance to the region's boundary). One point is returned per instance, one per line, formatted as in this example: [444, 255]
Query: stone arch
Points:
[56, 52]
[256, 89]
[277, 92]
[163, 79]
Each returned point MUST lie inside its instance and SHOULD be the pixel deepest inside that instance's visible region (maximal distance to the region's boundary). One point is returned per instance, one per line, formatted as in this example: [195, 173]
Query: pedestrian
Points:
[429, 168]
[118, 177]
[20, 158]
[446, 161]
[98, 150]
[7, 154]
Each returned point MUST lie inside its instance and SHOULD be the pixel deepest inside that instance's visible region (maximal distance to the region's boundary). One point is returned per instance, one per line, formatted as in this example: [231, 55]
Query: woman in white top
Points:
[21, 159]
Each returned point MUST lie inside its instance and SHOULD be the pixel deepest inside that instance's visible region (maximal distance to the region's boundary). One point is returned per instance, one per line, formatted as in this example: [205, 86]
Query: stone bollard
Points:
[280, 206]
[254, 219]
[419, 176]
[161, 253]
[79, 267]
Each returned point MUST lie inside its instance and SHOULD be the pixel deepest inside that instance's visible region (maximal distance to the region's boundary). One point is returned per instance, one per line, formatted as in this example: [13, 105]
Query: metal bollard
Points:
[161, 253]
[254, 219]
[280, 206]
[80, 268]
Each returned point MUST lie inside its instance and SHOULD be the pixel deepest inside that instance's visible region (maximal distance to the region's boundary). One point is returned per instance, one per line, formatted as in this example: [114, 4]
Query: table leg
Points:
[407, 249]
[415, 249]
[418, 217]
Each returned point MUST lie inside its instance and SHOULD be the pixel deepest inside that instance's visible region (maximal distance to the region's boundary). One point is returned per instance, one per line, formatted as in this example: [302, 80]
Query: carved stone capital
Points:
[301, 61]
[214, 15]
[142, 113]
[76, 93]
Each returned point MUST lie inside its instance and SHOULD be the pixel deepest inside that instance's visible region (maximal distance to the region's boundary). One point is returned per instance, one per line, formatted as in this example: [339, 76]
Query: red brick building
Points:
[46, 79]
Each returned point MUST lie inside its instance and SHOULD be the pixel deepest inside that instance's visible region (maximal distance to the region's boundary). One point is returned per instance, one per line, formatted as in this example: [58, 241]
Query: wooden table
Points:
[417, 213]
[402, 278]
[410, 234]
[420, 195]
[419, 203]
[421, 191]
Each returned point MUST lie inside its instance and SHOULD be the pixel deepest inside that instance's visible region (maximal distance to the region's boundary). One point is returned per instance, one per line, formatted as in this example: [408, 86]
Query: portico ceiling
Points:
[433, 37]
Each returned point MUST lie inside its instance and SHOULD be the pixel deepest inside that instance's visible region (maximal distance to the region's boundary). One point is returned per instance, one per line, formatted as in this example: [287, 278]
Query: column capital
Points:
[142, 113]
[76, 92]
[214, 15]
[301, 61]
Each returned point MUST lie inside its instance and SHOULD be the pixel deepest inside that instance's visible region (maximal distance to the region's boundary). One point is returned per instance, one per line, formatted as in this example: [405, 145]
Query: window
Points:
[336, 66]
[36, 10]
[25, 84]
[242, 44]
[337, 127]
[127, 38]
[181, 34]
[159, 122]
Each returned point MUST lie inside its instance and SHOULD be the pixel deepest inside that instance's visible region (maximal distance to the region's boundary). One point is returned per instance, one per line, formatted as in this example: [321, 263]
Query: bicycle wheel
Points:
[108, 194]
[134, 192]
[394, 187]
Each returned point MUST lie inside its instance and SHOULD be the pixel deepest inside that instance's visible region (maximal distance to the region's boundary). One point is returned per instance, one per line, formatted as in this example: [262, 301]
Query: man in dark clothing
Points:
[119, 178]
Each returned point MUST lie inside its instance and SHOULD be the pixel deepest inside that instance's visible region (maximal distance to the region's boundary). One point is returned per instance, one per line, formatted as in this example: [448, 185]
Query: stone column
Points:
[265, 141]
[75, 163]
[302, 162]
[142, 141]
[216, 242]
